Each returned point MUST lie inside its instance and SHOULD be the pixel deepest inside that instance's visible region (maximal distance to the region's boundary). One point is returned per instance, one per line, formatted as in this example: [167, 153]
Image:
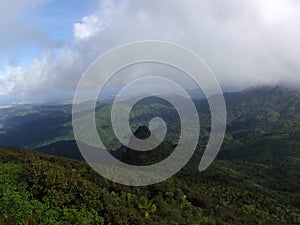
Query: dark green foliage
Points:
[40, 189]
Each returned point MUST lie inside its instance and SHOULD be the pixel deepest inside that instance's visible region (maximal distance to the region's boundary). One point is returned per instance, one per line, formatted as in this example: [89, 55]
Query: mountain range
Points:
[254, 180]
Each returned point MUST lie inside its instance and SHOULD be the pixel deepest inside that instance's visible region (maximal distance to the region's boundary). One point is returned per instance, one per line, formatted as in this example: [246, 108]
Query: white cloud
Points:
[245, 42]
[93, 24]
[88, 28]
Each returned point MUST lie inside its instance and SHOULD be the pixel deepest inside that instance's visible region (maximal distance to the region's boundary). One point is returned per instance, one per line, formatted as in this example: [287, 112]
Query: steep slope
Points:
[40, 189]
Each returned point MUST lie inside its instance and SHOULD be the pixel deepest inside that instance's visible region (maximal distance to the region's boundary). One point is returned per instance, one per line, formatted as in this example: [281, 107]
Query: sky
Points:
[46, 45]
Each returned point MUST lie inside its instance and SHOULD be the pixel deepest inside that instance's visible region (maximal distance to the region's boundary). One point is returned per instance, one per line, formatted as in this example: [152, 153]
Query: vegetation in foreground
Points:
[42, 189]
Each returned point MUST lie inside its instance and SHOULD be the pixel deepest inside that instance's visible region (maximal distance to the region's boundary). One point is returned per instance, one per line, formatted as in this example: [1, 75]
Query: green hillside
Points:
[42, 189]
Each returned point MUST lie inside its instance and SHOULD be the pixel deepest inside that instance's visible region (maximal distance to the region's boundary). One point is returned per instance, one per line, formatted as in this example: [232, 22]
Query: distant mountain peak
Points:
[142, 132]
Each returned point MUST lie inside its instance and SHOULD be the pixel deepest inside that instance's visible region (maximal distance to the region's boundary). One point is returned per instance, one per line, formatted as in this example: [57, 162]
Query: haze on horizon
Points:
[46, 45]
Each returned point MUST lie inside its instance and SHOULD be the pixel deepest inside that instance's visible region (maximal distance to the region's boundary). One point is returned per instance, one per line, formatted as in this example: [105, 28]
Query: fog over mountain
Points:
[246, 43]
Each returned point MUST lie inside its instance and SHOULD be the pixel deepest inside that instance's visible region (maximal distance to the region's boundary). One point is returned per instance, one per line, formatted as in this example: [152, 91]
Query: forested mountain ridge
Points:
[271, 106]
[256, 110]
[255, 179]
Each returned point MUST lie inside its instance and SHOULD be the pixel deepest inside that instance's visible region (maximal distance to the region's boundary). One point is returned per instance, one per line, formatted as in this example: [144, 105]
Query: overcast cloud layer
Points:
[246, 43]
